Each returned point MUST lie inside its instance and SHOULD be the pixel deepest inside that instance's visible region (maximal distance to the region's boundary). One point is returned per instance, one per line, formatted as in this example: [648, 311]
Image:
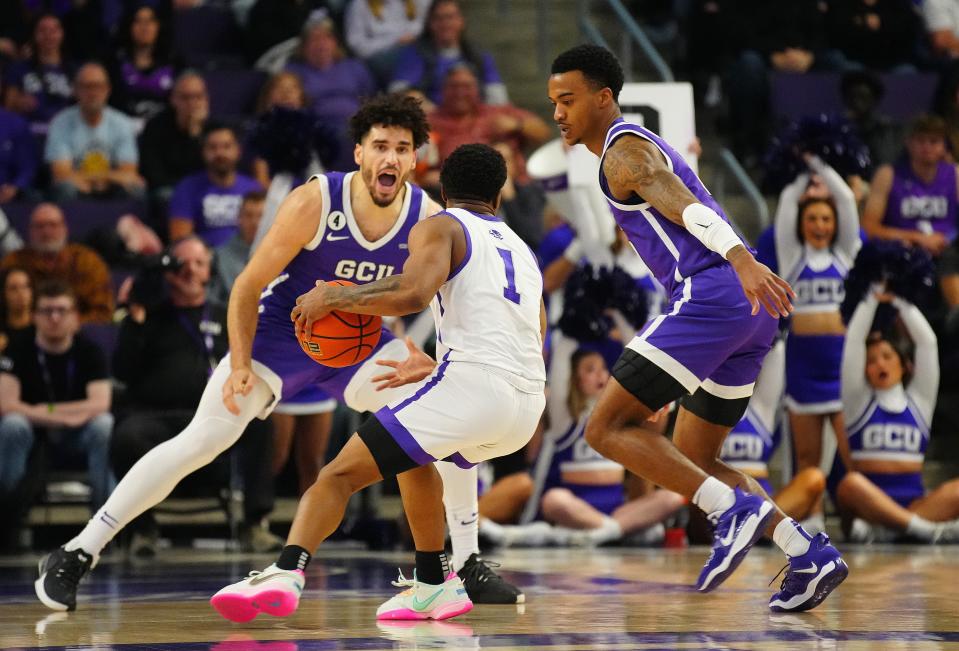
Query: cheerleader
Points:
[817, 239]
[888, 402]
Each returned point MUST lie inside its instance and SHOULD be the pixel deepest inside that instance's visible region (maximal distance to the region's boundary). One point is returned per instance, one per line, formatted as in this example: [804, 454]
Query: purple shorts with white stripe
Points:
[707, 336]
[464, 413]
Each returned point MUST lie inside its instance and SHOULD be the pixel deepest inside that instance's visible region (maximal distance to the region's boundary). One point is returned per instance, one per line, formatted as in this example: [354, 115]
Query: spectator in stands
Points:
[376, 30]
[942, 25]
[48, 256]
[166, 350]
[334, 82]
[57, 383]
[273, 21]
[462, 117]
[230, 257]
[208, 203]
[16, 309]
[170, 145]
[521, 204]
[92, 148]
[776, 37]
[889, 401]
[423, 65]
[817, 239]
[862, 91]
[40, 87]
[282, 89]
[915, 200]
[18, 157]
[875, 34]
[143, 71]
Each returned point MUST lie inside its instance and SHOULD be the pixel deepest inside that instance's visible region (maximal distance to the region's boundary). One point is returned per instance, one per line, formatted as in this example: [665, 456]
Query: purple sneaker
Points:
[810, 577]
[735, 530]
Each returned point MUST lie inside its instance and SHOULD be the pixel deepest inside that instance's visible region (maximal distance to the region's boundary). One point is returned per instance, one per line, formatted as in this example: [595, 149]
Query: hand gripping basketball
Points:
[339, 338]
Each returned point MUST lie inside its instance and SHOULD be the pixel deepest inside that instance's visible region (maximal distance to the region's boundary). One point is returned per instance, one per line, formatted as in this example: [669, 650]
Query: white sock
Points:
[921, 528]
[791, 538]
[462, 510]
[714, 496]
[212, 430]
[609, 530]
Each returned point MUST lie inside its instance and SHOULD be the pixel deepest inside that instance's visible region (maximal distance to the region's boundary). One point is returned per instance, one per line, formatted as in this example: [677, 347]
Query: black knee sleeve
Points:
[649, 383]
[713, 409]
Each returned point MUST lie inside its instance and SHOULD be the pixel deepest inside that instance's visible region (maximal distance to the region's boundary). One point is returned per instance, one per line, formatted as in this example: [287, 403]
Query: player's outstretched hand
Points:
[412, 369]
[311, 306]
[240, 382]
[761, 285]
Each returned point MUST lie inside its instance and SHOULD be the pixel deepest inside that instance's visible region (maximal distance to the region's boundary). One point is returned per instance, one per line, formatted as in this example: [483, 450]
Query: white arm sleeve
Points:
[788, 247]
[855, 389]
[924, 386]
[766, 396]
[847, 217]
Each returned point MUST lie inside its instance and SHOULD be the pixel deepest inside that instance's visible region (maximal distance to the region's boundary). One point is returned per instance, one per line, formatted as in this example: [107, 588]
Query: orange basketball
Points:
[342, 338]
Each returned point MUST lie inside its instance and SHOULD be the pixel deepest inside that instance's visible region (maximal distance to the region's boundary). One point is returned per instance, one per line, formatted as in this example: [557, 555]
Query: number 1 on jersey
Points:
[509, 292]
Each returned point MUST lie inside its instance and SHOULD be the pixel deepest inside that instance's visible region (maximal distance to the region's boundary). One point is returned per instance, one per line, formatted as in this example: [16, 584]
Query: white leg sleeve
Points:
[212, 430]
[462, 509]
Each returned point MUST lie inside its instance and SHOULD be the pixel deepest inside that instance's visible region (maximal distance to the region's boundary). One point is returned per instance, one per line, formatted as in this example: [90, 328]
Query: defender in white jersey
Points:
[483, 400]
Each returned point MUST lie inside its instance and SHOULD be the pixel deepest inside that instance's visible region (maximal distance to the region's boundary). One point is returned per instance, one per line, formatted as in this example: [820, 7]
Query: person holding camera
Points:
[167, 348]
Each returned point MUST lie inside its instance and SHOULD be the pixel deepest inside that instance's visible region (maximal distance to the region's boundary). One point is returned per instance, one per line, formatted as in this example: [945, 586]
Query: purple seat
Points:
[83, 215]
[794, 96]
[103, 335]
[233, 93]
[207, 37]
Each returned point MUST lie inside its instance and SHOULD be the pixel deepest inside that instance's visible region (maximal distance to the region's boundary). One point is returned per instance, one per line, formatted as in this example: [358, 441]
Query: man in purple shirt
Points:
[208, 203]
[18, 156]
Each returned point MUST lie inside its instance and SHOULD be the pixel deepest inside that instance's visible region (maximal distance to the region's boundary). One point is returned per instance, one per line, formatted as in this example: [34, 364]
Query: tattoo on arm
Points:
[635, 165]
[362, 295]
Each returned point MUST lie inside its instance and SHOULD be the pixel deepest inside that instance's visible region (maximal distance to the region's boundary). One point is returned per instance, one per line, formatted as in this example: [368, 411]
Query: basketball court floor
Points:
[895, 598]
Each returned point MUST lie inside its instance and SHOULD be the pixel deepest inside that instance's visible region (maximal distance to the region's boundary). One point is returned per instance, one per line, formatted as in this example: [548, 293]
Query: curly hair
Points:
[393, 110]
[598, 65]
[473, 172]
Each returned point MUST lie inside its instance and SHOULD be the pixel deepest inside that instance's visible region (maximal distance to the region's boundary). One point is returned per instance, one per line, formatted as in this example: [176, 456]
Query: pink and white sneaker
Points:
[425, 601]
[273, 591]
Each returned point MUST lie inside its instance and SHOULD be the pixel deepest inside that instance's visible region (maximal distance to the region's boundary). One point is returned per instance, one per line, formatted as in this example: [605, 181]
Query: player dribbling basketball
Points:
[482, 401]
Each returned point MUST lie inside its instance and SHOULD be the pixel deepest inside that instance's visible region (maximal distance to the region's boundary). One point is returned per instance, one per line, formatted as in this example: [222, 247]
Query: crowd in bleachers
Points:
[132, 185]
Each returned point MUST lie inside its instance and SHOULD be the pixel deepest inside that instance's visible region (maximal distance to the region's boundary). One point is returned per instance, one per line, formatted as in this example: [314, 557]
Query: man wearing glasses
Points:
[57, 386]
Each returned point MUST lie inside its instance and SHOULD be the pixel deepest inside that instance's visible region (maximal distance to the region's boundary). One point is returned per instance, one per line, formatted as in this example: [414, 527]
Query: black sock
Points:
[432, 567]
[293, 558]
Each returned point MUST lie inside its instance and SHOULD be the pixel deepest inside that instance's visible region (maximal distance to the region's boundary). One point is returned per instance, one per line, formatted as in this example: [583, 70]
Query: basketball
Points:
[342, 338]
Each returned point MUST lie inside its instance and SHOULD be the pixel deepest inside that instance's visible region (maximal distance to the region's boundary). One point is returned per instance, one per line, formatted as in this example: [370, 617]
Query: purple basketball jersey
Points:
[918, 206]
[338, 251]
[670, 251]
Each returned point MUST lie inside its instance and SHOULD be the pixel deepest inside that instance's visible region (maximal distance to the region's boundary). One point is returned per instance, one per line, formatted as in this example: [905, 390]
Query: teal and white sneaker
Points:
[426, 601]
[273, 591]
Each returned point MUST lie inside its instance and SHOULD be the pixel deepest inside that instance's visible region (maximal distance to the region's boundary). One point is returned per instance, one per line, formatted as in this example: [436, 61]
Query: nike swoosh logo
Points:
[260, 578]
[701, 225]
[808, 570]
[727, 540]
[423, 605]
[467, 522]
[336, 238]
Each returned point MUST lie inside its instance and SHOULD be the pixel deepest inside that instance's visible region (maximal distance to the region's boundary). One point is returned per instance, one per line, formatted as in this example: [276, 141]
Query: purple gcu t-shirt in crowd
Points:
[916, 206]
[213, 209]
[50, 85]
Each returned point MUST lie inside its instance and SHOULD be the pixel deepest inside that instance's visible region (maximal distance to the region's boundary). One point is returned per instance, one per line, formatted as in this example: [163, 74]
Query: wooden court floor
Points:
[895, 598]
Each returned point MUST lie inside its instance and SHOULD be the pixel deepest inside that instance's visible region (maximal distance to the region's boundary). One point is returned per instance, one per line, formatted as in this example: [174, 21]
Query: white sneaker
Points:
[425, 601]
[273, 591]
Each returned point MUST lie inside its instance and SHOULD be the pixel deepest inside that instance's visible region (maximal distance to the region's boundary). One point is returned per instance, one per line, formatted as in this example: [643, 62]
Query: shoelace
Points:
[481, 570]
[403, 582]
[773, 580]
[70, 572]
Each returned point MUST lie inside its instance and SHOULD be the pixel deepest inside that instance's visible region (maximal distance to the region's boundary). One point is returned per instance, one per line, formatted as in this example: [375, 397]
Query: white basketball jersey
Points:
[487, 311]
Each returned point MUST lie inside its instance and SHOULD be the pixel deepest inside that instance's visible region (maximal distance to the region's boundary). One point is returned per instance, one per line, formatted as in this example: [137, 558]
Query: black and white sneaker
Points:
[484, 586]
[60, 574]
